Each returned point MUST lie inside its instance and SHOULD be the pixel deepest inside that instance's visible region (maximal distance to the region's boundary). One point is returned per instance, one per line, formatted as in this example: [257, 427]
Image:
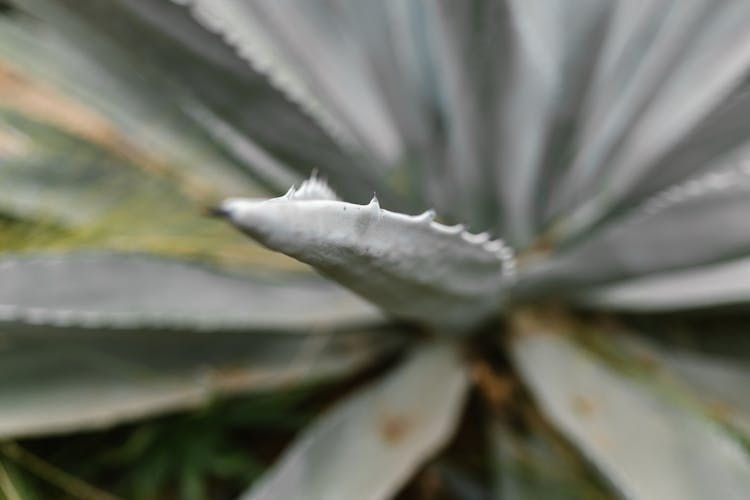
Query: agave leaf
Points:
[69, 190]
[555, 44]
[397, 423]
[88, 379]
[463, 46]
[720, 136]
[712, 66]
[716, 62]
[187, 59]
[684, 227]
[394, 39]
[642, 45]
[720, 383]
[57, 175]
[701, 71]
[241, 27]
[714, 369]
[313, 39]
[104, 103]
[648, 445]
[100, 290]
[533, 463]
[411, 266]
[726, 283]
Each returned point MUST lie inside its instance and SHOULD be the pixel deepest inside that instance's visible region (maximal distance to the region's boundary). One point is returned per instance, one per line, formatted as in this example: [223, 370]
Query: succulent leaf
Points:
[717, 381]
[126, 291]
[397, 423]
[308, 49]
[209, 84]
[65, 85]
[721, 135]
[685, 228]
[648, 446]
[411, 266]
[697, 57]
[723, 284]
[607, 140]
[554, 48]
[73, 379]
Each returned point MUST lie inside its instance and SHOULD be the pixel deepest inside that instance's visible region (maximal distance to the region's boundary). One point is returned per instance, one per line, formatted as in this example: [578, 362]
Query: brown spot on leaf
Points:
[394, 428]
[583, 406]
[719, 410]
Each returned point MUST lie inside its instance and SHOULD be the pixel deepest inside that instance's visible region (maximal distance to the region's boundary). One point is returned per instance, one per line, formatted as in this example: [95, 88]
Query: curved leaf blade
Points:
[647, 446]
[723, 284]
[190, 61]
[70, 380]
[121, 291]
[411, 266]
[397, 424]
[316, 48]
[686, 227]
[554, 49]
[721, 384]
[701, 56]
[61, 84]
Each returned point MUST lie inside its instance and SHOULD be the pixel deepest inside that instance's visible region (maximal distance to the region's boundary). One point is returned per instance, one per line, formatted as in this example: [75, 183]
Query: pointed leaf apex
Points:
[374, 203]
[387, 257]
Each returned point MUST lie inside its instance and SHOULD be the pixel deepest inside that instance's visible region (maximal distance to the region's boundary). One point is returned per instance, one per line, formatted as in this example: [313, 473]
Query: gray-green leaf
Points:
[648, 446]
[87, 379]
[116, 291]
[370, 444]
[411, 266]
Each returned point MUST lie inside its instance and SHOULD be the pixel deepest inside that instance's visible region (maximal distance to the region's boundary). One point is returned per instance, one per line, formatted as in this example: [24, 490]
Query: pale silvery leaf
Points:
[236, 23]
[718, 382]
[121, 291]
[128, 104]
[688, 226]
[721, 135]
[411, 266]
[394, 38]
[367, 446]
[567, 127]
[208, 85]
[726, 283]
[709, 356]
[707, 67]
[88, 379]
[642, 46]
[647, 445]
[42, 178]
[317, 46]
[463, 69]
[555, 47]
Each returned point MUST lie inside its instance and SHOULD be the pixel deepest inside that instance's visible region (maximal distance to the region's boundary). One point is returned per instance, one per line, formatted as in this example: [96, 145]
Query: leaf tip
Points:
[374, 203]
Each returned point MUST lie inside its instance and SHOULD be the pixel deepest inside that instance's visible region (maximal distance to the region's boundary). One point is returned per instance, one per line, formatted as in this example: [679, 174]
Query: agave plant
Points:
[603, 141]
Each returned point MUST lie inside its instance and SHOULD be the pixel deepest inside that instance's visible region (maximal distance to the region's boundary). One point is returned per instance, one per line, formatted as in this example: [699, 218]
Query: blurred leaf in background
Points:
[149, 351]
